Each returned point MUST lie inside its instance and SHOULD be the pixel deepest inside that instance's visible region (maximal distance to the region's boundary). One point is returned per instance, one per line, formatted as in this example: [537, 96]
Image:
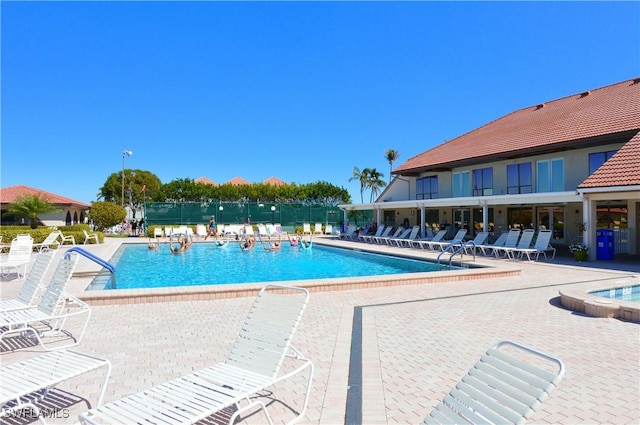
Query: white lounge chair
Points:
[387, 234]
[506, 386]
[404, 232]
[88, 237]
[253, 365]
[18, 258]
[487, 249]
[306, 228]
[524, 243]
[350, 232]
[470, 247]
[512, 241]
[32, 284]
[407, 239]
[19, 381]
[428, 235]
[445, 245]
[55, 307]
[541, 246]
[378, 233]
[157, 231]
[51, 239]
[317, 229]
[426, 244]
[328, 229]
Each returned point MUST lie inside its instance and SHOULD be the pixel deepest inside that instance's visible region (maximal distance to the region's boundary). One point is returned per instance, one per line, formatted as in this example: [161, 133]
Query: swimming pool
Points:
[207, 264]
[627, 293]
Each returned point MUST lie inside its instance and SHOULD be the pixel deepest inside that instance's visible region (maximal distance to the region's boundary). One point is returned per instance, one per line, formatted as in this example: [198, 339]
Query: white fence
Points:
[621, 241]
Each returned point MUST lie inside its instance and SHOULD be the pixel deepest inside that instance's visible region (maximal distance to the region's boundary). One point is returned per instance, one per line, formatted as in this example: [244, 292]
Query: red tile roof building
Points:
[71, 211]
[596, 128]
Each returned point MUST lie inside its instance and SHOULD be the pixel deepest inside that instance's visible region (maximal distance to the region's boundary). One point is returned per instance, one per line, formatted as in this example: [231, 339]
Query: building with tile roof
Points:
[205, 180]
[558, 164]
[71, 211]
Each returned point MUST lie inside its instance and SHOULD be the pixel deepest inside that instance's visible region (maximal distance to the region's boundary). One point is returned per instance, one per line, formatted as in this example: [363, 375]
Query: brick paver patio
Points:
[417, 341]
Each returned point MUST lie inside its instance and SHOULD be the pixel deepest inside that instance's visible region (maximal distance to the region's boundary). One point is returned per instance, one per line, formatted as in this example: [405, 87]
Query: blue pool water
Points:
[207, 264]
[628, 293]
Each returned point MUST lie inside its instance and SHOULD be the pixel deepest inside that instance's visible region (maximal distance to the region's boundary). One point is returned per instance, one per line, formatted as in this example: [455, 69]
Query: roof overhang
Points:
[621, 192]
[475, 201]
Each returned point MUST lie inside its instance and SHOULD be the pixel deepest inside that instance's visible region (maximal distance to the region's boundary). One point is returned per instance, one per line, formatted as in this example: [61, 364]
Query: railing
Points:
[97, 260]
[457, 247]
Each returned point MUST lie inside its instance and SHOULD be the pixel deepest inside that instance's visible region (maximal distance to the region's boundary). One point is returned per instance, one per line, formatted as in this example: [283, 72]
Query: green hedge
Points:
[39, 234]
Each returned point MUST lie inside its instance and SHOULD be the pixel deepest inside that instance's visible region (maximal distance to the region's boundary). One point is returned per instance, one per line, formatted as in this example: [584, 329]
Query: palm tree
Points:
[375, 183]
[31, 206]
[363, 178]
[391, 156]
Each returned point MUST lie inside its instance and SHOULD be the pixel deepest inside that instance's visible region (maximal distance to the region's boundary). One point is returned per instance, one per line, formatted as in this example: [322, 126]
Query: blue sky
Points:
[303, 91]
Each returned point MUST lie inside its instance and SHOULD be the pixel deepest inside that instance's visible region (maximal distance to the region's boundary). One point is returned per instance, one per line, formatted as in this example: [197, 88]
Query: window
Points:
[482, 182]
[461, 184]
[550, 175]
[597, 159]
[519, 178]
[427, 187]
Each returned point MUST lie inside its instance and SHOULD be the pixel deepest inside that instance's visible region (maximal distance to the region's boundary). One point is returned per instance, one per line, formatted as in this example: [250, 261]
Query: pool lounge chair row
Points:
[505, 386]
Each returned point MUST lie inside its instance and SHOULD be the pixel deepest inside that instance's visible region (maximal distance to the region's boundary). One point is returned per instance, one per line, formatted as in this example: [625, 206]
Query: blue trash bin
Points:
[605, 249]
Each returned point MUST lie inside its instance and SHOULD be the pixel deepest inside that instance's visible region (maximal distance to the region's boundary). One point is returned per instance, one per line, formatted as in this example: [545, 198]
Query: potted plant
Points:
[579, 250]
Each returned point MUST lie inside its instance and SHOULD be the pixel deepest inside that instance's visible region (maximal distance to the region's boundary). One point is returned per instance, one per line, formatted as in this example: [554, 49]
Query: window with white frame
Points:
[550, 175]
[461, 184]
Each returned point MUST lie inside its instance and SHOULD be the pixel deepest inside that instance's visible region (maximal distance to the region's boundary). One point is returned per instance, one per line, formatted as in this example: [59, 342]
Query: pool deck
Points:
[413, 343]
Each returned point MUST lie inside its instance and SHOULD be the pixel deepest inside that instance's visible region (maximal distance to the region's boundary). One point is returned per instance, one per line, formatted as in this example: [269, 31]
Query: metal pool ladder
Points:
[457, 247]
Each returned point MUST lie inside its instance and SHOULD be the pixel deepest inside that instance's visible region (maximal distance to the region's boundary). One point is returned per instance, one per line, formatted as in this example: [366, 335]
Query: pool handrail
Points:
[95, 259]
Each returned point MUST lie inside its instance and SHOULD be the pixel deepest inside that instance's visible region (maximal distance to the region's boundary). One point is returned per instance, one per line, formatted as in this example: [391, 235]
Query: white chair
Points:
[317, 230]
[88, 237]
[253, 364]
[426, 244]
[487, 249]
[55, 307]
[306, 228]
[506, 386]
[407, 240]
[524, 243]
[30, 290]
[68, 238]
[470, 247]
[328, 229]
[541, 246]
[18, 258]
[38, 374]
[511, 242]
[157, 232]
[51, 239]
[445, 245]
[378, 233]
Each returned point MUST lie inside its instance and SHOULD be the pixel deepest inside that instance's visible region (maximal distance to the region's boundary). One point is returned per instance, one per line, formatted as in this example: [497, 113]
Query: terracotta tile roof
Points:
[622, 169]
[604, 111]
[205, 180]
[238, 181]
[274, 181]
[9, 195]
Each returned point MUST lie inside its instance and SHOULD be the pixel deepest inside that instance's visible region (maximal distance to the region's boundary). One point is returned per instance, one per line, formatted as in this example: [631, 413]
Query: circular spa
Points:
[618, 298]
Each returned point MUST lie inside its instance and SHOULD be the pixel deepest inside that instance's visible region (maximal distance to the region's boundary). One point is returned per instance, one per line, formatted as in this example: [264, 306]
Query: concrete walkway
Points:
[416, 342]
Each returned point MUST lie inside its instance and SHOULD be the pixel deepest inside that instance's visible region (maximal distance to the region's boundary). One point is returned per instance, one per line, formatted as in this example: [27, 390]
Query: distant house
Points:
[71, 211]
[239, 181]
[565, 164]
[205, 180]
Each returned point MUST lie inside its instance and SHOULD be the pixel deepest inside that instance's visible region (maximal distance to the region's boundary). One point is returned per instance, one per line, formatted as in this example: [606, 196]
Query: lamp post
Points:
[220, 208]
[273, 210]
[124, 154]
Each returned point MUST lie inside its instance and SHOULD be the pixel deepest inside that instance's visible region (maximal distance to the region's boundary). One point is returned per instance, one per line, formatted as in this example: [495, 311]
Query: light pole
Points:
[124, 154]
[273, 210]
[220, 208]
